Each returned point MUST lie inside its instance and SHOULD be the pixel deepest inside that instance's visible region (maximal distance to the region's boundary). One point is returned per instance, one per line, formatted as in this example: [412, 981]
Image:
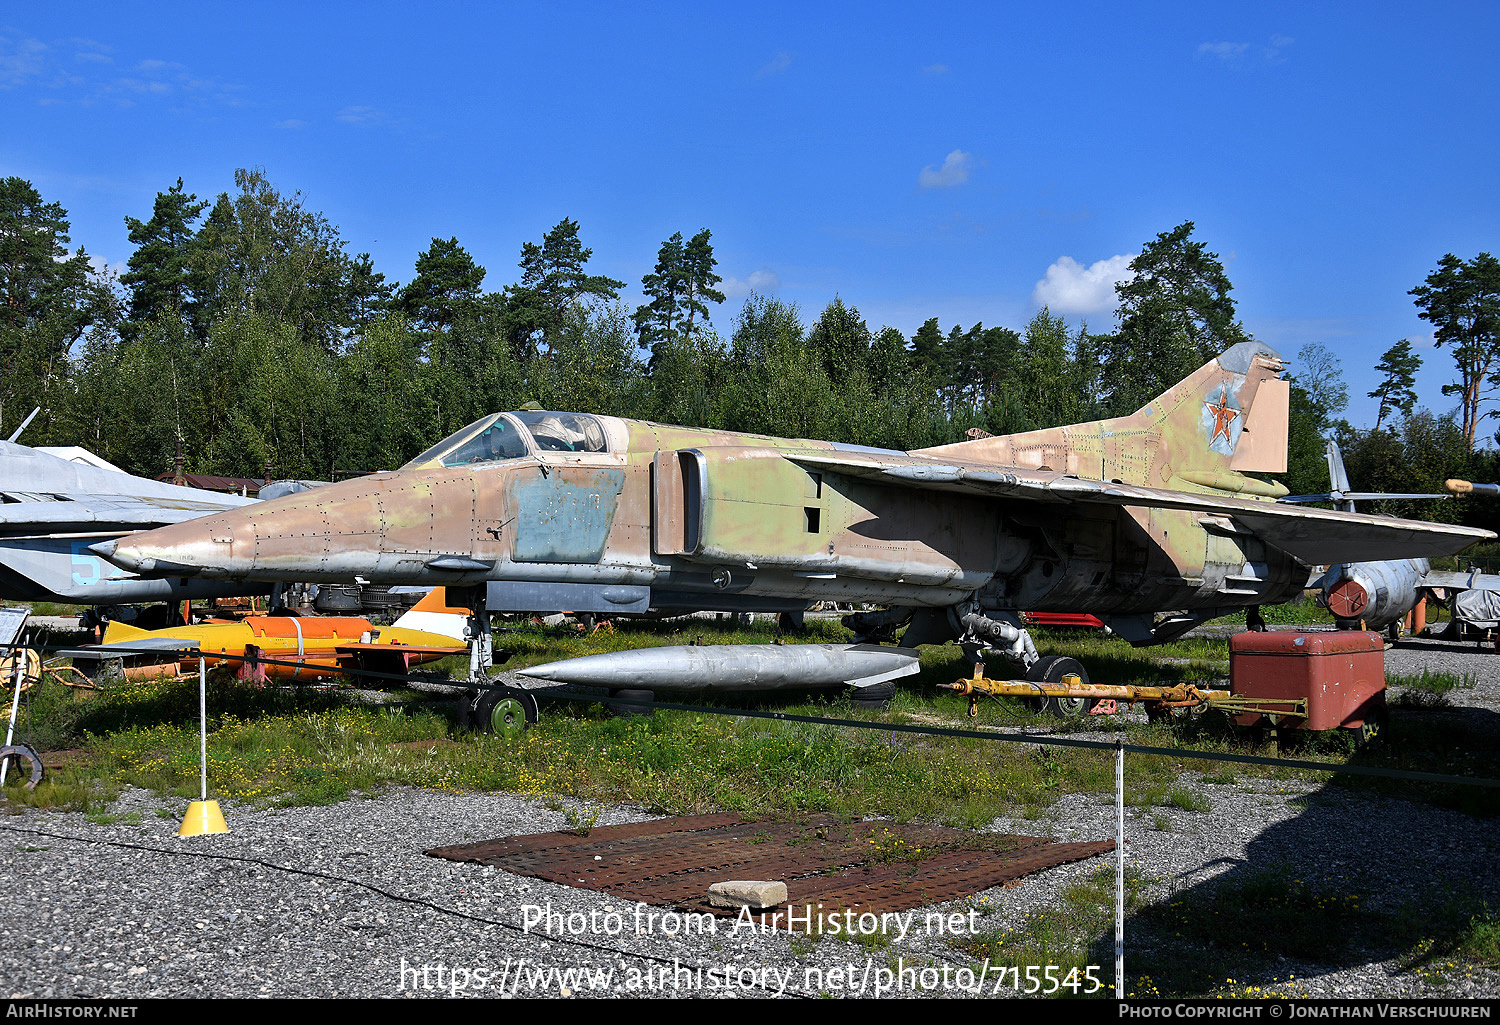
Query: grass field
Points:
[283, 745]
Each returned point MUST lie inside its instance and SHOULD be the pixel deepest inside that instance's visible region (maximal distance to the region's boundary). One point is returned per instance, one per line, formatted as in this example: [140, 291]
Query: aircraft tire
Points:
[1051, 669]
[875, 698]
[617, 708]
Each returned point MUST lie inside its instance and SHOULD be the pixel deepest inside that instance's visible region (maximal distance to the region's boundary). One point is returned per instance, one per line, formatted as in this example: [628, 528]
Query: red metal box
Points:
[1341, 673]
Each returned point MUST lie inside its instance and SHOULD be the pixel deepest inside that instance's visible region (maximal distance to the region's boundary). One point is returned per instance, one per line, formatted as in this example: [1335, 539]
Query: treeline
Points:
[243, 327]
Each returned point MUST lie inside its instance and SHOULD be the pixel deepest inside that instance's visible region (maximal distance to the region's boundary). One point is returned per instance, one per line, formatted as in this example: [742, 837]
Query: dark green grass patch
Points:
[1235, 937]
[1076, 935]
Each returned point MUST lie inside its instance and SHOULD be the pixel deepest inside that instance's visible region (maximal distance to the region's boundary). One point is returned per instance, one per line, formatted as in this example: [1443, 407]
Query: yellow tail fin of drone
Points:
[116, 632]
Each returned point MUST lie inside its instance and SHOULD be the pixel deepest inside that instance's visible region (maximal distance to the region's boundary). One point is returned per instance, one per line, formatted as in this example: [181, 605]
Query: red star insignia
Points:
[1224, 415]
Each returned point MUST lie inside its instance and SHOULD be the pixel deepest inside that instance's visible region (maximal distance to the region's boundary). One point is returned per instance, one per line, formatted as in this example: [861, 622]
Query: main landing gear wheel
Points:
[506, 712]
[1052, 669]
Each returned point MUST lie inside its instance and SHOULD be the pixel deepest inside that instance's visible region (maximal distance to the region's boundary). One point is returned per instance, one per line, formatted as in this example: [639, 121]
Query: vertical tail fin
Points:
[1338, 477]
[1226, 419]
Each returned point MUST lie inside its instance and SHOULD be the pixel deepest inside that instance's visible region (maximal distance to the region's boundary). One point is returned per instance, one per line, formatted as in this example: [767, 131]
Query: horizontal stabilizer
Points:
[1458, 581]
[149, 643]
[1355, 496]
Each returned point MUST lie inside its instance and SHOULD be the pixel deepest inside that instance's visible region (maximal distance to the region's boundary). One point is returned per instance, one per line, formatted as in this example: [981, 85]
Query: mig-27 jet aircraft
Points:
[1122, 518]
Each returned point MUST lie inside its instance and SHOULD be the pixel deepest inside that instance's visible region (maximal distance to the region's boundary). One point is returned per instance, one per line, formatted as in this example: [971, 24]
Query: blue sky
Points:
[961, 161]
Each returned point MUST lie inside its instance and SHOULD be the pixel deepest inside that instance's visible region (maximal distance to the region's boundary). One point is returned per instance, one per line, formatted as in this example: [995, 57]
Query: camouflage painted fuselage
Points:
[1132, 515]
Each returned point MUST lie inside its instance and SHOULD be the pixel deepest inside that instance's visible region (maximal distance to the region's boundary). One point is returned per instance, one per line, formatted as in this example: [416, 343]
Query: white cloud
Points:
[1223, 51]
[1070, 287]
[77, 71]
[1273, 52]
[137, 85]
[360, 115]
[762, 282]
[1234, 53]
[955, 171]
[779, 63]
[20, 59]
[103, 266]
[936, 69]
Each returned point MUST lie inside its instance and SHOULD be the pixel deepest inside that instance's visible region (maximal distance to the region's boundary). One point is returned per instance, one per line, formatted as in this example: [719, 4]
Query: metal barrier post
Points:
[202, 729]
[1119, 869]
[19, 654]
[203, 816]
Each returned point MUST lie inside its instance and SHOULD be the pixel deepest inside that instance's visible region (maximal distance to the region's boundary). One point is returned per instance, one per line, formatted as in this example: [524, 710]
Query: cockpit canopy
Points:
[502, 436]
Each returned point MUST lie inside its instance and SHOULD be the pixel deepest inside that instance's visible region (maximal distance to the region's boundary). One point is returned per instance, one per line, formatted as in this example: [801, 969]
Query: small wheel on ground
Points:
[874, 698]
[617, 707]
[1052, 669]
[13, 755]
[506, 712]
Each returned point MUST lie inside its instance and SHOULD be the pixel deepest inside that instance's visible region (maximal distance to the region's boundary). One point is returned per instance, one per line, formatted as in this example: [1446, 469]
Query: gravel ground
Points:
[340, 901]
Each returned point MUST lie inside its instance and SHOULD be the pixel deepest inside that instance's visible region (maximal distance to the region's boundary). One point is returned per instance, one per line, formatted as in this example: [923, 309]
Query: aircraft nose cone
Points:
[129, 559]
[144, 553]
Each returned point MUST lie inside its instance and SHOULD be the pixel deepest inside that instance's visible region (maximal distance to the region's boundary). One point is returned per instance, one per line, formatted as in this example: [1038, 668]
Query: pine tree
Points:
[677, 292]
[1396, 390]
[48, 299]
[553, 282]
[263, 253]
[447, 278]
[699, 279]
[656, 320]
[1461, 300]
[162, 278]
[1175, 315]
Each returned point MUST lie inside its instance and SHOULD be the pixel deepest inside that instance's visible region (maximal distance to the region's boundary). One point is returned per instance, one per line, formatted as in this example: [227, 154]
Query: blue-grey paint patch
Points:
[1222, 417]
[1236, 359]
[63, 570]
[566, 519]
[540, 596]
[842, 447]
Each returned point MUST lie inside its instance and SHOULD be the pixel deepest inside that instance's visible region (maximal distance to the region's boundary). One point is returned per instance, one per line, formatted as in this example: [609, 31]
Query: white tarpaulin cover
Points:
[1481, 608]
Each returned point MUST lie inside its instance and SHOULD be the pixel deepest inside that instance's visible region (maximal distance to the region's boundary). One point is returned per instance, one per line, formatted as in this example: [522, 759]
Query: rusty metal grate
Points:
[837, 864]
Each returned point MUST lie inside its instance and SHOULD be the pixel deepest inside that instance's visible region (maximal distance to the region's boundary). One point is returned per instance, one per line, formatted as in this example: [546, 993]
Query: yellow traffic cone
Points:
[203, 817]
